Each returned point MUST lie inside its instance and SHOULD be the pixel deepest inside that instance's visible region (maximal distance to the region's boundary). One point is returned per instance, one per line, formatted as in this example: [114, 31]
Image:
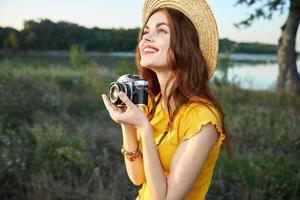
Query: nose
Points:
[149, 37]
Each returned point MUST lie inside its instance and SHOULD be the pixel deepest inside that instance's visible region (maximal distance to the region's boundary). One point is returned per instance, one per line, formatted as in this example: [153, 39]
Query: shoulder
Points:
[196, 115]
[200, 111]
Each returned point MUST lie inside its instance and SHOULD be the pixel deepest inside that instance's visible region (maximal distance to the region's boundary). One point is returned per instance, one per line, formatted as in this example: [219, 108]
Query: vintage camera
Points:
[133, 86]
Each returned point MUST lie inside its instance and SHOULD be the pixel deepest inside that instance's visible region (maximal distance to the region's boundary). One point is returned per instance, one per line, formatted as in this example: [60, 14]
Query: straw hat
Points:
[201, 16]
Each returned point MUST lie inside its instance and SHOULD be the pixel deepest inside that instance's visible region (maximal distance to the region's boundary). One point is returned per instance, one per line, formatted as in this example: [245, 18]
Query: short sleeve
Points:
[195, 117]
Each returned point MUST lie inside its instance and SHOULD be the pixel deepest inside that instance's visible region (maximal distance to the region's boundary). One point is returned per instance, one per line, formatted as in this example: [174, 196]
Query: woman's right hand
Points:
[132, 115]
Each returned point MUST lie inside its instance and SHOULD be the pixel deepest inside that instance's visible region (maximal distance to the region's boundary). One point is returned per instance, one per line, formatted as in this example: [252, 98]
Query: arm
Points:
[154, 174]
[135, 169]
[185, 167]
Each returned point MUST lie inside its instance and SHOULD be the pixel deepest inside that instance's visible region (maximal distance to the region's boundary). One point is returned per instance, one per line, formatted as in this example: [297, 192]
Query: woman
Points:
[173, 153]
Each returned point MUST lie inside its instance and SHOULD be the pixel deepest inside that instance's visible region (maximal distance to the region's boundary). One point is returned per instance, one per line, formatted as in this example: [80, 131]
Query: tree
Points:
[11, 42]
[288, 78]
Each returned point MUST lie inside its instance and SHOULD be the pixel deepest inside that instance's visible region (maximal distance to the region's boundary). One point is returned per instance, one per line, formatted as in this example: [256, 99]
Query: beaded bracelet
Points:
[130, 155]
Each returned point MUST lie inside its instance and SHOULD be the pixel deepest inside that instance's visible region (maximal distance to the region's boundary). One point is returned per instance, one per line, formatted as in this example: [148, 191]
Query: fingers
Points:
[121, 109]
[129, 116]
[108, 104]
[126, 100]
[112, 110]
[118, 114]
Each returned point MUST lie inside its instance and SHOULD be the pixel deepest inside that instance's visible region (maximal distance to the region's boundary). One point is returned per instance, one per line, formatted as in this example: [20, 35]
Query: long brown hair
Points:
[188, 68]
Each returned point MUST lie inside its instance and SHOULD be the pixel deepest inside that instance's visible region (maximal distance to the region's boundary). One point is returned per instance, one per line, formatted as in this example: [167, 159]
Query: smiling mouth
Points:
[149, 50]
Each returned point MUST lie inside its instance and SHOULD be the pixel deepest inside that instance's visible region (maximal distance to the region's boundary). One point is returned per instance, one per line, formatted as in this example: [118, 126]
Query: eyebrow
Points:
[159, 24]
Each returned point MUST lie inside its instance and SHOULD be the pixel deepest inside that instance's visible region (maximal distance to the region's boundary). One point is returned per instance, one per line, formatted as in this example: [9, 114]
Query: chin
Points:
[146, 64]
[152, 65]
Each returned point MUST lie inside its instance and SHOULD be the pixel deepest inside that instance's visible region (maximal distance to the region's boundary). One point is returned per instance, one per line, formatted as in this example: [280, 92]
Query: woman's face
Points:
[155, 42]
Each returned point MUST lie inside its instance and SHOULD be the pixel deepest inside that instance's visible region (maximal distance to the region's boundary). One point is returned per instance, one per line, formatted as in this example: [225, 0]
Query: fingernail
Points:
[122, 94]
[104, 96]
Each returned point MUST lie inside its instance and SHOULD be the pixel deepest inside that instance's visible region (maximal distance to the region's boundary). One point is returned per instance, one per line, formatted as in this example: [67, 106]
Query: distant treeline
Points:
[48, 35]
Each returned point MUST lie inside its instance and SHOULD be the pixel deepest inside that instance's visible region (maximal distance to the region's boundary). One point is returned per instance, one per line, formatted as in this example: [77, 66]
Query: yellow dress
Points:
[188, 121]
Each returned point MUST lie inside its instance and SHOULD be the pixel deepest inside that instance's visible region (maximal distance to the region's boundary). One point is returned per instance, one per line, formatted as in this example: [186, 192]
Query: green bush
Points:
[258, 176]
[260, 121]
[56, 151]
[77, 56]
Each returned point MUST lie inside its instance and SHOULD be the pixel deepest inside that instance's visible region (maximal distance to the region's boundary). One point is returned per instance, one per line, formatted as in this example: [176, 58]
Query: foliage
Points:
[255, 48]
[56, 151]
[5, 34]
[48, 35]
[257, 176]
[77, 56]
[11, 42]
[264, 10]
[266, 121]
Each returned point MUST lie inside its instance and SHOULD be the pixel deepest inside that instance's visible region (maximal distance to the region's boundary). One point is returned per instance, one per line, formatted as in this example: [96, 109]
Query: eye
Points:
[160, 31]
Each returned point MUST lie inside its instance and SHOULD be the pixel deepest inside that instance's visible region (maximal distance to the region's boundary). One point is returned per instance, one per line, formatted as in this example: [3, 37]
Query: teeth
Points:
[149, 50]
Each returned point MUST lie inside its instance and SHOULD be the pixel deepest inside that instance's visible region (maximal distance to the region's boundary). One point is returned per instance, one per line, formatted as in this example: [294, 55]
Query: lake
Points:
[249, 71]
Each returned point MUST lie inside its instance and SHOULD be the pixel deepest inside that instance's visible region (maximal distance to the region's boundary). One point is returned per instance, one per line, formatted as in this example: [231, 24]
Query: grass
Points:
[58, 142]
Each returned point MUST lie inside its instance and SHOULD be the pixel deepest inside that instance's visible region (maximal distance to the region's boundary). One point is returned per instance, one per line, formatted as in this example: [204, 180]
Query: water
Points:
[249, 71]
[257, 72]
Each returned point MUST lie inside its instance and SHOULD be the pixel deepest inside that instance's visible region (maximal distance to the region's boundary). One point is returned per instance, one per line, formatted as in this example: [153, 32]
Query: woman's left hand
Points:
[131, 116]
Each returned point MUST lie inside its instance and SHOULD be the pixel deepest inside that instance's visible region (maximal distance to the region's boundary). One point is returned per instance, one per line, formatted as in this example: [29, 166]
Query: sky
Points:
[127, 14]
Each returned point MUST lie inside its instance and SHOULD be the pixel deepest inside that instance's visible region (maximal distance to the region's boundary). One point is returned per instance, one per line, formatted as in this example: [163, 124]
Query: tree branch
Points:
[264, 11]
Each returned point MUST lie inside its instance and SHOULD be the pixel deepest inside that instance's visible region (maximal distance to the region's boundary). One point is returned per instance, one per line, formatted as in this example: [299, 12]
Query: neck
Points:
[162, 79]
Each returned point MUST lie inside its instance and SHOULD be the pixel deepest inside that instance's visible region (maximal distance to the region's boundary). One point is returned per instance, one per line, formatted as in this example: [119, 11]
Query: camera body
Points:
[133, 86]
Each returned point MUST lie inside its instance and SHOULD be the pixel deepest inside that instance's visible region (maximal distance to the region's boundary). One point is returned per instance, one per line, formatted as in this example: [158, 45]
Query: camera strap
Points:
[169, 123]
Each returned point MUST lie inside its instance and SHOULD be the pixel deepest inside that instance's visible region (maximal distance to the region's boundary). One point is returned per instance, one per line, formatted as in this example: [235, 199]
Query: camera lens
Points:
[114, 90]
